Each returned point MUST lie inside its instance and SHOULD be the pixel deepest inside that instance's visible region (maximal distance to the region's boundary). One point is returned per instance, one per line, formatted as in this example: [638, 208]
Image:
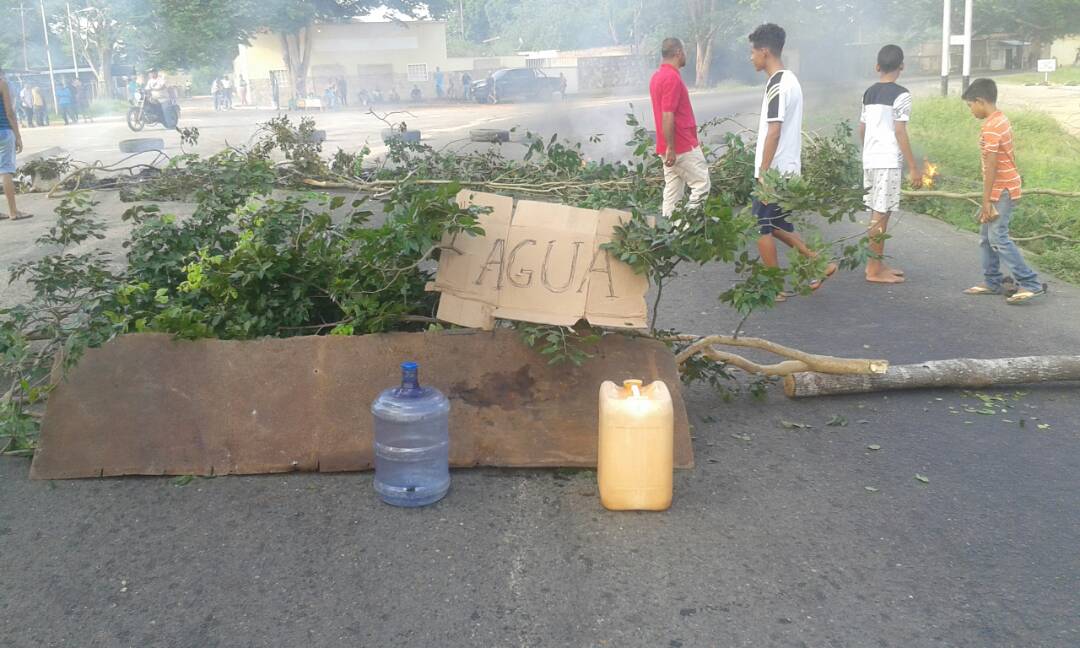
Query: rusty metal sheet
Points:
[150, 405]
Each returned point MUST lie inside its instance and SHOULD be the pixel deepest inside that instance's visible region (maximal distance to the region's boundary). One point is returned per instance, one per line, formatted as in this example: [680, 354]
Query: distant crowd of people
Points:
[223, 90]
[32, 107]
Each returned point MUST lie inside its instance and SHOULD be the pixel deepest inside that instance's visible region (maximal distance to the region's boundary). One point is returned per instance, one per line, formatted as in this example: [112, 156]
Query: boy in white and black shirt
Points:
[886, 111]
[779, 144]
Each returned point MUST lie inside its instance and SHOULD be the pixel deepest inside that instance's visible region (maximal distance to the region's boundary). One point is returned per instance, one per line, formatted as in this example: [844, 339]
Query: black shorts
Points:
[770, 217]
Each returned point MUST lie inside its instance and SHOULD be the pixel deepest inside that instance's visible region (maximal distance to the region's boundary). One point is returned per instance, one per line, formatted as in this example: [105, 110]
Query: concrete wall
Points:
[604, 72]
[1064, 50]
[368, 55]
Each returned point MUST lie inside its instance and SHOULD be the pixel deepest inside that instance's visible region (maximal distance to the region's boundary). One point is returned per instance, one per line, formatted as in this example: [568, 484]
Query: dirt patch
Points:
[1060, 102]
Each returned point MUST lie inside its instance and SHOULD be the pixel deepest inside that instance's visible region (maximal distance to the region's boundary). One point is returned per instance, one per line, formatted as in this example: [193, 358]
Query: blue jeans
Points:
[998, 247]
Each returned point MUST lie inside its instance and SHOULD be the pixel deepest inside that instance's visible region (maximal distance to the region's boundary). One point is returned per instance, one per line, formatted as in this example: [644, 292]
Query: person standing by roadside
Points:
[226, 93]
[41, 112]
[779, 145]
[26, 98]
[215, 91]
[343, 92]
[1002, 188]
[466, 86]
[243, 85]
[439, 78]
[15, 89]
[10, 144]
[676, 132]
[65, 101]
[883, 132]
[562, 86]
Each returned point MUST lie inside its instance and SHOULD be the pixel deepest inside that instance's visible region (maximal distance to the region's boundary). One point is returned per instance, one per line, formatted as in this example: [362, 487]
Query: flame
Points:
[930, 173]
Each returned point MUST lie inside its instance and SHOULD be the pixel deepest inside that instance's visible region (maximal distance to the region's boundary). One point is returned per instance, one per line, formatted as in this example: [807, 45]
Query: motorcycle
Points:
[145, 110]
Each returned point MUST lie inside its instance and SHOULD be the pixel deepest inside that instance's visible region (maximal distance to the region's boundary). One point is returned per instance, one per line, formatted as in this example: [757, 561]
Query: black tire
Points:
[493, 135]
[135, 119]
[389, 135]
[142, 145]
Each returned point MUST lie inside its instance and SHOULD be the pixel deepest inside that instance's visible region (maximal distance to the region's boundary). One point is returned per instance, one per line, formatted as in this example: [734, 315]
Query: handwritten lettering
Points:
[528, 274]
[497, 250]
[573, 268]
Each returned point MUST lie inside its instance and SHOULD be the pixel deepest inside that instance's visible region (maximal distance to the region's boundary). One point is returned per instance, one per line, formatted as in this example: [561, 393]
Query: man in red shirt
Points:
[676, 132]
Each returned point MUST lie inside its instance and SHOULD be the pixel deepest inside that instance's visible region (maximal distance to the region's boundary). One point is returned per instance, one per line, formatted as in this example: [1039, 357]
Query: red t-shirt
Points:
[669, 94]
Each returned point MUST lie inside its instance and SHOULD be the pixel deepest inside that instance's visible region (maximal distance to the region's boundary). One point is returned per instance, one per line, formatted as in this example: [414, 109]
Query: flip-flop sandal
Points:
[1024, 296]
[830, 270]
[21, 216]
[981, 290]
[782, 297]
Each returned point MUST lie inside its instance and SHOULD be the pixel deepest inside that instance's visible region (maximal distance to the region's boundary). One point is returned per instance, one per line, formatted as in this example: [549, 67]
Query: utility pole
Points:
[461, 16]
[48, 54]
[967, 45]
[71, 33]
[22, 19]
[946, 36]
[948, 40]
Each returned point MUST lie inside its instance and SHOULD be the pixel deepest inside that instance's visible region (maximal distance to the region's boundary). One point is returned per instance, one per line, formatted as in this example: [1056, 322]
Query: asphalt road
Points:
[577, 118]
[773, 539]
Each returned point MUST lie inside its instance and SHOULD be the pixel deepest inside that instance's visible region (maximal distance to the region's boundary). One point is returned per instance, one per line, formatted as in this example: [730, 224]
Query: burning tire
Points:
[493, 135]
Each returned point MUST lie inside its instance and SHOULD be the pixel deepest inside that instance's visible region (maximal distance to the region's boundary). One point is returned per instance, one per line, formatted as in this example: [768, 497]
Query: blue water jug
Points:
[412, 442]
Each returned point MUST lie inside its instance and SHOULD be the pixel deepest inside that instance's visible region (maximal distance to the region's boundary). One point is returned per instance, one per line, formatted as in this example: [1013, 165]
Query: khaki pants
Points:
[690, 169]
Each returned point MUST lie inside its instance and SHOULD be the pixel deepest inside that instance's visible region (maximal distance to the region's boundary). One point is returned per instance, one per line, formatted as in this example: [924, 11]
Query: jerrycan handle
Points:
[634, 387]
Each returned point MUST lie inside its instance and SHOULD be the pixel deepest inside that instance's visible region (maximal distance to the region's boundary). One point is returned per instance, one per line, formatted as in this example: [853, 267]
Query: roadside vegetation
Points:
[1049, 158]
[266, 255]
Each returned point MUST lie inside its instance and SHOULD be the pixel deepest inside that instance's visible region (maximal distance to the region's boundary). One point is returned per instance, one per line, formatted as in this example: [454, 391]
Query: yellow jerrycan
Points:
[636, 456]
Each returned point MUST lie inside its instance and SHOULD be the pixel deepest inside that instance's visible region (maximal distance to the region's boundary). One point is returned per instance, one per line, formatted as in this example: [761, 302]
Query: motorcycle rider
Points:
[156, 87]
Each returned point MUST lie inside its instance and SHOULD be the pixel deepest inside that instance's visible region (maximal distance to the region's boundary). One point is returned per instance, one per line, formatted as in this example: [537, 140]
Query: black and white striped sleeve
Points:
[775, 99]
[902, 107]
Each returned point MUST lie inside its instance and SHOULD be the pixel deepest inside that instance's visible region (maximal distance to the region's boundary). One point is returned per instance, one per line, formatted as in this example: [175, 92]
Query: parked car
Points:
[521, 83]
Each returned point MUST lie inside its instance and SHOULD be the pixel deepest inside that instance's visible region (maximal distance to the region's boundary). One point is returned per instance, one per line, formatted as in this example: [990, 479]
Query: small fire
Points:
[930, 173]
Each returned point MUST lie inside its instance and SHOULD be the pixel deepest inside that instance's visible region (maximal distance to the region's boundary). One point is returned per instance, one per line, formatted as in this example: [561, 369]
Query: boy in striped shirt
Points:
[1001, 189]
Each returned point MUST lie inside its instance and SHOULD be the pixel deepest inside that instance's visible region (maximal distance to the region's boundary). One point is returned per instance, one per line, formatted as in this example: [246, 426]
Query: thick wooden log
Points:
[960, 373]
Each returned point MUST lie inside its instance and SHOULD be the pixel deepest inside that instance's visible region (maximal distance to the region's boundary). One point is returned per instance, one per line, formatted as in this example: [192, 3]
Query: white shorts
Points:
[882, 190]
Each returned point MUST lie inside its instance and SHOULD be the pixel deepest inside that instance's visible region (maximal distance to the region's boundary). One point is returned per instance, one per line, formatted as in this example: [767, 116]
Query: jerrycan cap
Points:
[633, 386]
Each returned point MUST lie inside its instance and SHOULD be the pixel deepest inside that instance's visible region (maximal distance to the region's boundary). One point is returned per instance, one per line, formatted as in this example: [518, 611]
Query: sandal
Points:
[20, 216]
[830, 270]
[982, 289]
[1024, 295]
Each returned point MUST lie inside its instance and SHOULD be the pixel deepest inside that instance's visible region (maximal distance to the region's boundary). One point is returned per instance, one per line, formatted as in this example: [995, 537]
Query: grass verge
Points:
[944, 131]
[1069, 75]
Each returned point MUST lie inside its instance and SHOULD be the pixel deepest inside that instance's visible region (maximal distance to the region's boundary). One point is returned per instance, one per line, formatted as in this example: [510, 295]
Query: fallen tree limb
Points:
[799, 361]
[977, 195]
[960, 373]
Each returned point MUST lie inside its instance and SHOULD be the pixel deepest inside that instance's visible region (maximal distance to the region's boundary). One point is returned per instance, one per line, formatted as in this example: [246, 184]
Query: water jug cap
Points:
[409, 366]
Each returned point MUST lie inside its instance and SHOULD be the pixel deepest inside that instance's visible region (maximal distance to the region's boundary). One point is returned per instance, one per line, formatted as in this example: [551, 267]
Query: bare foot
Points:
[896, 271]
[885, 277]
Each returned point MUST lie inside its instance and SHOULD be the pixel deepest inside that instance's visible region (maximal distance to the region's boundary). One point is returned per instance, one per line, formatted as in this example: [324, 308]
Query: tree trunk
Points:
[704, 62]
[965, 373]
[104, 72]
[296, 50]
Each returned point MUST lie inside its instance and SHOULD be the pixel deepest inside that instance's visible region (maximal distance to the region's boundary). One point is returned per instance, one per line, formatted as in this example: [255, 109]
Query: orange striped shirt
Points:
[997, 137]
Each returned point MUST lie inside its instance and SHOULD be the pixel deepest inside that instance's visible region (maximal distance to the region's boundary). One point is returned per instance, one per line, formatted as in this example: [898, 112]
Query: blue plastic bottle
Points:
[412, 442]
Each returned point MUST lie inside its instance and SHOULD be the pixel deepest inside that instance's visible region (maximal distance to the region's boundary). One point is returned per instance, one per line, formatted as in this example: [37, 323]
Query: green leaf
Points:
[792, 425]
[183, 480]
[837, 421]
[870, 489]
[873, 446]
[922, 478]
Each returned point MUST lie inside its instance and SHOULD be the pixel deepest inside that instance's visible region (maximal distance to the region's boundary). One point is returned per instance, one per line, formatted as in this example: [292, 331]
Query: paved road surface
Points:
[772, 541]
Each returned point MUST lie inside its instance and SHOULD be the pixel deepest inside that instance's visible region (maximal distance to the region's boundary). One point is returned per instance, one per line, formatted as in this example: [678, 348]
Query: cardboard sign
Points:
[1047, 65]
[540, 262]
